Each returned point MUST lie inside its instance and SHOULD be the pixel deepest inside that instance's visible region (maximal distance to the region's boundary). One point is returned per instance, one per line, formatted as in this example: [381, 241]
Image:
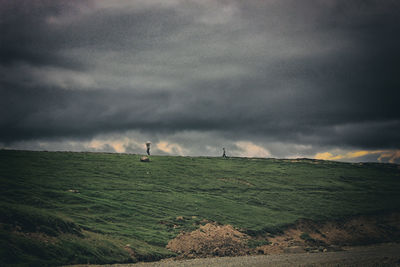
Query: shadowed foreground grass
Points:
[64, 208]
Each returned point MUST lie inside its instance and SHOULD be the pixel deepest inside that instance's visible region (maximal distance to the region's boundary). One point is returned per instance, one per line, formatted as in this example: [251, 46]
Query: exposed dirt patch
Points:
[210, 240]
[130, 251]
[306, 235]
[38, 237]
[303, 236]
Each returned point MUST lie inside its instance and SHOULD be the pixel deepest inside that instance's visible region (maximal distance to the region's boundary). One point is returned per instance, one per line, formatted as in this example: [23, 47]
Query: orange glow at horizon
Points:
[391, 154]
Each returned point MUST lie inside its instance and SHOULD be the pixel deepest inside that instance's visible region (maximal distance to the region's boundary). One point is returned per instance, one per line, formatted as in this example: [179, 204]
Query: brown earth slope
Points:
[303, 236]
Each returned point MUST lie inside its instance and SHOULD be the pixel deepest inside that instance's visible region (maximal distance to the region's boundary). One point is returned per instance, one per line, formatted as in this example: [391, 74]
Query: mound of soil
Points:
[210, 240]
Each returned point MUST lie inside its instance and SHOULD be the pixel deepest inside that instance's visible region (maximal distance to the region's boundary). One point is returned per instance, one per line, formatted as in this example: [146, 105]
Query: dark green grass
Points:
[119, 200]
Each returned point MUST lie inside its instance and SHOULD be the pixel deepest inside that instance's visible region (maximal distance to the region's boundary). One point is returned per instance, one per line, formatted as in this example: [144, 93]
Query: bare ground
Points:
[210, 240]
[356, 241]
[387, 254]
[303, 236]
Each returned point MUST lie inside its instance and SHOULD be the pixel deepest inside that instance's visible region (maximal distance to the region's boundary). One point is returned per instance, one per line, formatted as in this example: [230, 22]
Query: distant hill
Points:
[66, 208]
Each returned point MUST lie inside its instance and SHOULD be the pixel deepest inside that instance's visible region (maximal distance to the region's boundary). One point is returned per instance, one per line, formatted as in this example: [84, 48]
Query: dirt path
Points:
[375, 255]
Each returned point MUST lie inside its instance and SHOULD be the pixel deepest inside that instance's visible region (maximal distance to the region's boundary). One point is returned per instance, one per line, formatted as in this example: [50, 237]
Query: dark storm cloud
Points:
[323, 73]
[52, 113]
[26, 37]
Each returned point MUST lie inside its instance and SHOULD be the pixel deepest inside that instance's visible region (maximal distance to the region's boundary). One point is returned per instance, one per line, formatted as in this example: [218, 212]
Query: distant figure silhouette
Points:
[148, 147]
[224, 154]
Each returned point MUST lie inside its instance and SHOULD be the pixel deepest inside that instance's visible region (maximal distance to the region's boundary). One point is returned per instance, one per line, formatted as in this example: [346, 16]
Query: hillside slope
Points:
[65, 208]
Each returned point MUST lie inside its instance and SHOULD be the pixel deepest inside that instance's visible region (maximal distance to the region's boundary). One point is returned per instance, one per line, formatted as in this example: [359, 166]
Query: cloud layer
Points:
[284, 78]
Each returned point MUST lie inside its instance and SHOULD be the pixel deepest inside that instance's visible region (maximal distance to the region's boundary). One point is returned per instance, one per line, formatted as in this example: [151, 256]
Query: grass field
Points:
[64, 208]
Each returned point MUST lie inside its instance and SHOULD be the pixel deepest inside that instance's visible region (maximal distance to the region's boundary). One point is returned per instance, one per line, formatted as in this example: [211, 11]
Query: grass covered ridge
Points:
[63, 207]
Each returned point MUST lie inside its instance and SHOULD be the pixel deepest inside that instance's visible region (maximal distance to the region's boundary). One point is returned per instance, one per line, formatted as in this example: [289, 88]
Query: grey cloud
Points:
[27, 36]
[319, 74]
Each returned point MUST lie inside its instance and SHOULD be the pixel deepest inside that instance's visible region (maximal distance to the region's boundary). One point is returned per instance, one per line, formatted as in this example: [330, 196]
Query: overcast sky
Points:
[276, 78]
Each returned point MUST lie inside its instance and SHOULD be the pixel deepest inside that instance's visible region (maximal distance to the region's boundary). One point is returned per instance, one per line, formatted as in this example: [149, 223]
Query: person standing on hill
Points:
[224, 154]
[148, 143]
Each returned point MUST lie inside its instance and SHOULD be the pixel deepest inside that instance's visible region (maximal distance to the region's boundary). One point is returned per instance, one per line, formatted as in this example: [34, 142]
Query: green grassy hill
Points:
[64, 208]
